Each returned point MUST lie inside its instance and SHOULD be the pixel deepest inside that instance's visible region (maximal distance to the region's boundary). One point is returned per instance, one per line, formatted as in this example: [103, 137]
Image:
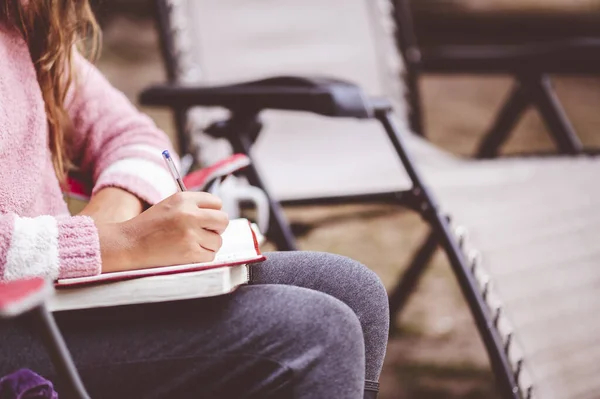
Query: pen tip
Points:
[166, 154]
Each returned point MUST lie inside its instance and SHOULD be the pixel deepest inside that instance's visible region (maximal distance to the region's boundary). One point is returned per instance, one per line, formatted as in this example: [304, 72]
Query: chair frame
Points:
[241, 132]
[242, 128]
[533, 86]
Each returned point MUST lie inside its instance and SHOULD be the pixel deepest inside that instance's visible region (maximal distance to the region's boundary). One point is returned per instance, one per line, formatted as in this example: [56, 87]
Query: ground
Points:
[436, 352]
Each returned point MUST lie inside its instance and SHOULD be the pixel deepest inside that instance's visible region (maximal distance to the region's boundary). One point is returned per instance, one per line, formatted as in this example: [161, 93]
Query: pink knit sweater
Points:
[115, 146]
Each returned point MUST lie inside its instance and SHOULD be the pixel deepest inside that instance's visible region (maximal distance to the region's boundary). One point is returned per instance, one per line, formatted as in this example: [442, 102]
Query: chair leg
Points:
[501, 366]
[506, 120]
[280, 232]
[542, 94]
[61, 358]
[410, 279]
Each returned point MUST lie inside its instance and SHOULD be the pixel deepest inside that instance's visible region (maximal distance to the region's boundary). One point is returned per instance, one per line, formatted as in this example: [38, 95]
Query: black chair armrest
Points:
[329, 97]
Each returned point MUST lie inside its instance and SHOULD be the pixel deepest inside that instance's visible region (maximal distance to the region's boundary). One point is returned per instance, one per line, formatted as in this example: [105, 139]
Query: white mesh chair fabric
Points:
[533, 224]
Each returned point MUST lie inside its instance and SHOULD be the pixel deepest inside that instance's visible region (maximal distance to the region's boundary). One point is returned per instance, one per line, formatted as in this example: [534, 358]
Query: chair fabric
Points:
[533, 222]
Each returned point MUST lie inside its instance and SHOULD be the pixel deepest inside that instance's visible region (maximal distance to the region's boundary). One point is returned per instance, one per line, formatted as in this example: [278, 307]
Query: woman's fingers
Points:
[211, 219]
[206, 200]
[196, 199]
[203, 210]
[209, 240]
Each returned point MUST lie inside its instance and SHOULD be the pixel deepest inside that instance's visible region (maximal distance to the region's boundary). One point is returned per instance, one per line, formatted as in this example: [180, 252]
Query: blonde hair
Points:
[53, 29]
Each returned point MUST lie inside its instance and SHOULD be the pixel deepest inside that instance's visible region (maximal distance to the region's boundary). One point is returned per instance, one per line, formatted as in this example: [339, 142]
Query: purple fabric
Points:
[25, 384]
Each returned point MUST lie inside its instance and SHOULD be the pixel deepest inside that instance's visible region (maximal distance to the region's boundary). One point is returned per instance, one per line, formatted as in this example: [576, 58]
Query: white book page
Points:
[170, 287]
[238, 242]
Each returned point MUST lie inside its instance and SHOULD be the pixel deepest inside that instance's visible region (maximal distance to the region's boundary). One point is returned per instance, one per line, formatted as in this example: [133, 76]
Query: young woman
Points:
[310, 325]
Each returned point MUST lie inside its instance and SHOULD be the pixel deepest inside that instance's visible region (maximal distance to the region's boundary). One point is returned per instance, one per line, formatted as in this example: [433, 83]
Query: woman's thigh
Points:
[335, 275]
[262, 341]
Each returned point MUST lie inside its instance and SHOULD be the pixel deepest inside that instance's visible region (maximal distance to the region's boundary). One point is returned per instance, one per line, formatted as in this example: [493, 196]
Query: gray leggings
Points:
[311, 325]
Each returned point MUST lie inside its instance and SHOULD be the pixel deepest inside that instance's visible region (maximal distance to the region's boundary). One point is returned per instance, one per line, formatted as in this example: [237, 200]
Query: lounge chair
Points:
[522, 242]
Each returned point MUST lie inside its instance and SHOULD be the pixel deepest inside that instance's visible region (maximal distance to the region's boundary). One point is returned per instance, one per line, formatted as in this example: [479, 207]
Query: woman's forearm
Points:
[113, 205]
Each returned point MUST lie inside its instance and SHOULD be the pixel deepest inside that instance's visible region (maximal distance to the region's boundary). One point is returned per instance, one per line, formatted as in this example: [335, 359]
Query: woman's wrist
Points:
[116, 247]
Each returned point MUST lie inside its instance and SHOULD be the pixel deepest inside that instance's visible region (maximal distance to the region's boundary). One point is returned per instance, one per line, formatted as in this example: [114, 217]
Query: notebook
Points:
[229, 270]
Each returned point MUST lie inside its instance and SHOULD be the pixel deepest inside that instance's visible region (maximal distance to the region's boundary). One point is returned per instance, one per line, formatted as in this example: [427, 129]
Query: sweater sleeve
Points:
[118, 145]
[49, 247]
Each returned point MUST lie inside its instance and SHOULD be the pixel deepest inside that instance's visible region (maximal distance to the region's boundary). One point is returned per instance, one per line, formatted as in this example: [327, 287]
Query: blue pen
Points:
[173, 170]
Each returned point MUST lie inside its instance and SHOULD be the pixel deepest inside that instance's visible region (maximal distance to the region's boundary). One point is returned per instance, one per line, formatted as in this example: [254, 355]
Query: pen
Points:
[173, 170]
[213, 187]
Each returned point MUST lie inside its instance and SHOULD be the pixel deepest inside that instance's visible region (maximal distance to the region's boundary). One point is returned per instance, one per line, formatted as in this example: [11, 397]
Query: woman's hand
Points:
[184, 228]
[113, 205]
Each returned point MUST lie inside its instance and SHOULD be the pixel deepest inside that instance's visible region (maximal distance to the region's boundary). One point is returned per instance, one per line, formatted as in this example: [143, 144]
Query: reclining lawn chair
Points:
[25, 299]
[527, 269]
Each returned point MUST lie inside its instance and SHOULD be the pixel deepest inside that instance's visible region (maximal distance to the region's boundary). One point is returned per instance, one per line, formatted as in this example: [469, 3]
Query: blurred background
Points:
[435, 351]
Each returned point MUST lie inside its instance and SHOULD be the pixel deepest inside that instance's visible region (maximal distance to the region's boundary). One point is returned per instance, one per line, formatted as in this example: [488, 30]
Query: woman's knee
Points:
[351, 271]
[338, 276]
[350, 280]
[311, 323]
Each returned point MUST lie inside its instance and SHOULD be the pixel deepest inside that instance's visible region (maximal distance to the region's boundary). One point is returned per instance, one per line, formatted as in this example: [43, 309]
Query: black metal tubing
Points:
[574, 56]
[532, 90]
[391, 197]
[318, 95]
[499, 27]
[166, 41]
[65, 368]
[241, 129]
[440, 225]
[553, 114]
[167, 47]
[405, 27]
[409, 280]
[507, 118]
[406, 41]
